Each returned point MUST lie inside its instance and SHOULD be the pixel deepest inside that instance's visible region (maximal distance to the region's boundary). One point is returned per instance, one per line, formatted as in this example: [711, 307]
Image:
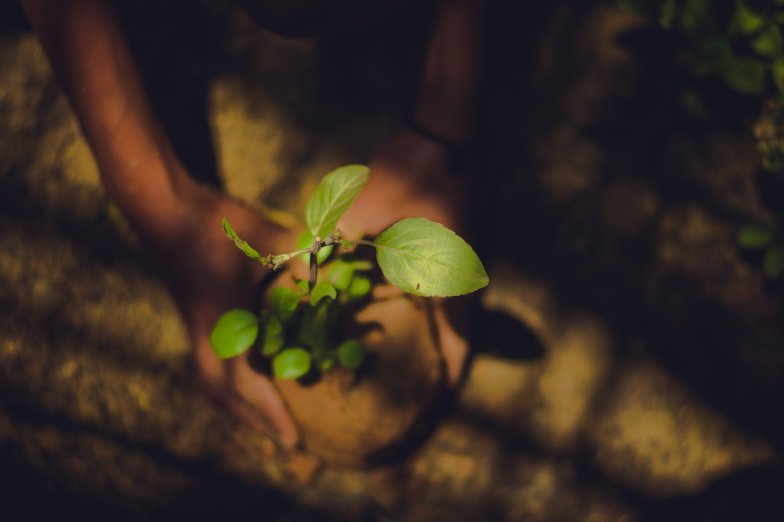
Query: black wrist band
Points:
[455, 152]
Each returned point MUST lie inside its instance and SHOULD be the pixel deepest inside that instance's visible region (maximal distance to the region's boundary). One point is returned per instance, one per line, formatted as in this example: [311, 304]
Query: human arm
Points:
[177, 218]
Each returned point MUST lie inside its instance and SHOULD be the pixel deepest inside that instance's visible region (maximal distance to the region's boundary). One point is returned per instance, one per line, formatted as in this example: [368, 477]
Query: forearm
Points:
[447, 97]
[88, 52]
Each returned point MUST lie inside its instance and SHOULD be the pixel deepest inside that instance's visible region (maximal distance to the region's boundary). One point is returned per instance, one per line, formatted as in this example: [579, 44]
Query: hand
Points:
[408, 178]
[207, 276]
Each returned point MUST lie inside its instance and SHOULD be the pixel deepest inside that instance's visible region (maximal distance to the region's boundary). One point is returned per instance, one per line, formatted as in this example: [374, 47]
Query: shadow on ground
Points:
[628, 355]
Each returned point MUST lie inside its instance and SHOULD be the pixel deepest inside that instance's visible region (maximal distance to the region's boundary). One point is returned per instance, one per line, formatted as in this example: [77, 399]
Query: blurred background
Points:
[630, 348]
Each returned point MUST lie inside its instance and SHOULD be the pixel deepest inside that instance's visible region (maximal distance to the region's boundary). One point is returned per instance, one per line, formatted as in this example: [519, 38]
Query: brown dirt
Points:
[356, 419]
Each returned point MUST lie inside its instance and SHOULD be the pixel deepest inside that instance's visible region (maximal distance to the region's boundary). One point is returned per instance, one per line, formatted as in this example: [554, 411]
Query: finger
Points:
[263, 398]
[454, 347]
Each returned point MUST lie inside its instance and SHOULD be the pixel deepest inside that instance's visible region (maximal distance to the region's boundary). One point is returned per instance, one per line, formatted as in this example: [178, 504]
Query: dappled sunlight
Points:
[627, 361]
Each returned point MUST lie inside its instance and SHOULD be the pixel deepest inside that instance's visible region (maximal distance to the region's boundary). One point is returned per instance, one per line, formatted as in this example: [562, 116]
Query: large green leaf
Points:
[291, 363]
[426, 258]
[234, 333]
[333, 197]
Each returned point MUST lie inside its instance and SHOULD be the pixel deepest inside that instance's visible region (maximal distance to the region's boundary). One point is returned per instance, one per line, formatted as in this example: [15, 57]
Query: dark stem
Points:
[313, 271]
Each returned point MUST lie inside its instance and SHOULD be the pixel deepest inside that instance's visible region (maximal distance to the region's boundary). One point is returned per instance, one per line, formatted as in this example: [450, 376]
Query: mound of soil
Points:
[359, 418]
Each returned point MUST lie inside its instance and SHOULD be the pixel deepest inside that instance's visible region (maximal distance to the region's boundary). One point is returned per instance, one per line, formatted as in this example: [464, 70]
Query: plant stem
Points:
[356, 242]
[313, 271]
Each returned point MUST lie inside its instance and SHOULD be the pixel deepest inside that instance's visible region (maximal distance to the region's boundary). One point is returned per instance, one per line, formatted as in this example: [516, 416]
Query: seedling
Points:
[298, 330]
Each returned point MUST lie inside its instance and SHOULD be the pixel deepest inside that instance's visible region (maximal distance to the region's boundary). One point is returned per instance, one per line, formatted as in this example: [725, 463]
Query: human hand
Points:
[207, 275]
[409, 178]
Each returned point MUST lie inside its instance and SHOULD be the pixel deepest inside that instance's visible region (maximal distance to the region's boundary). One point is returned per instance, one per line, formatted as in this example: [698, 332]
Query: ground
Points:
[629, 355]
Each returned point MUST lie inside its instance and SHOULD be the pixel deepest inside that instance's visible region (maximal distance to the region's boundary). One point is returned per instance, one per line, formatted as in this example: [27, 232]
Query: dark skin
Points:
[179, 219]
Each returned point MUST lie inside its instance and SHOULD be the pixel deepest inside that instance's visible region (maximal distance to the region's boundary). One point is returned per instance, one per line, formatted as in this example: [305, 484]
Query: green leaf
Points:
[667, 14]
[285, 301]
[313, 328]
[234, 333]
[768, 42]
[291, 363]
[694, 14]
[351, 354]
[322, 290]
[777, 71]
[755, 235]
[713, 54]
[333, 197]
[326, 364]
[303, 286]
[426, 258]
[745, 20]
[341, 272]
[360, 287]
[273, 336]
[692, 104]
[744, 75]
[636, 6]
[305, 240]
[773, 262]
[241, 244]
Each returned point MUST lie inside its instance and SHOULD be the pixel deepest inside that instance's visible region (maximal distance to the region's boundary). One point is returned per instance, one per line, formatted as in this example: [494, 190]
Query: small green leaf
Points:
[694, 14]
[777, 71]
[234, 333]
[241, 244]
[291, 363]
[313, 328]
[341, 272]
[692, 104]
[360, 287]
[303, 286]
[744, 75]
[305, 240]
[333, 197]
[755, 235]
[285, 301]
[636, 6]
[773, 262]
[351, 354]
[745, 20]
[273, 336]
[322, 290]
[667, 14]
[326, 364]
[426, 258]
[768, 42]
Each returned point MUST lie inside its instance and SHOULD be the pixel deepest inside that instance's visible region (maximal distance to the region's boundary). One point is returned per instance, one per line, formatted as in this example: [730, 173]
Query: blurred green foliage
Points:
[741, 43]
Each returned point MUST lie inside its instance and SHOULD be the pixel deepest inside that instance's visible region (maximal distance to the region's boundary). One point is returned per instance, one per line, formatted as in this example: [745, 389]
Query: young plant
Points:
[298, 332]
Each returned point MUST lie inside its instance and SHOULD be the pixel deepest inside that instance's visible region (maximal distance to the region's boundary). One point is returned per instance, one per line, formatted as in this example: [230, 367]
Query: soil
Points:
[628, 353]
[358, 419]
